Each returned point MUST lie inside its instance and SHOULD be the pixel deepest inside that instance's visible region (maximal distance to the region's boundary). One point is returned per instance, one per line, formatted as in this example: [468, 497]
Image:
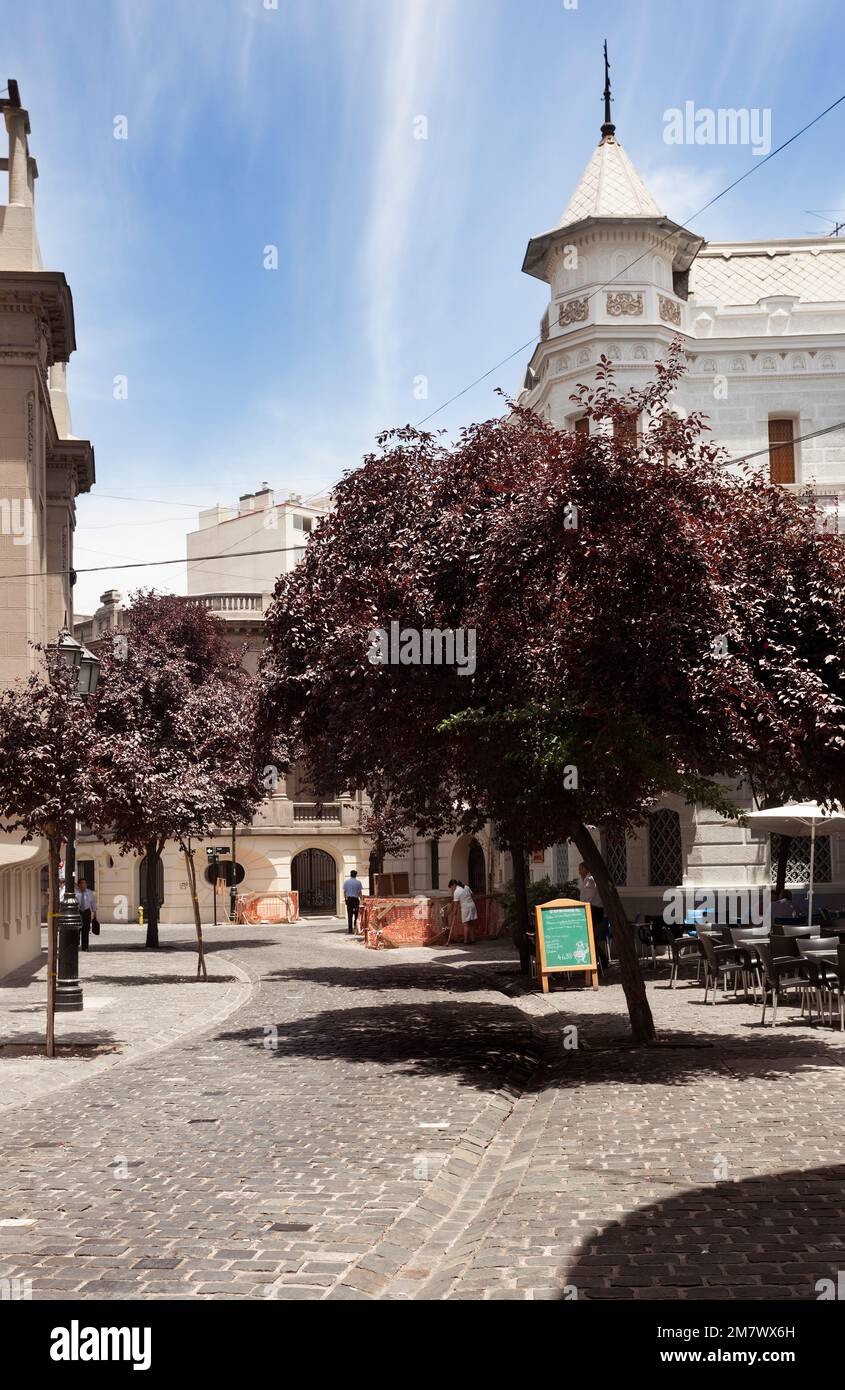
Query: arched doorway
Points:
[476, 869]
[313, 875]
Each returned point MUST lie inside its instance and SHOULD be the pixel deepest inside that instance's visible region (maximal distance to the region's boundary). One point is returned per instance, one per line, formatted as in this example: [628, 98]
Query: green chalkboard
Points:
[565, 938]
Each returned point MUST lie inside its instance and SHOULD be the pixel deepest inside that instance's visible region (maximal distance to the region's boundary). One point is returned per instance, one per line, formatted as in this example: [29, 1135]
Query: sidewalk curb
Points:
[141, 1052]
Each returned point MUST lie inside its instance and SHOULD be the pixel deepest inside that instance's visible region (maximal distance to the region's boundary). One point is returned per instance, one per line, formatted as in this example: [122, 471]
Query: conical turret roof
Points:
[609, 187]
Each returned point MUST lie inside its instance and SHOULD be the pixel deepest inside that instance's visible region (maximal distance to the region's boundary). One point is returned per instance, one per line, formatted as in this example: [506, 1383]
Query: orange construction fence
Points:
[267, 907]
[422, 921]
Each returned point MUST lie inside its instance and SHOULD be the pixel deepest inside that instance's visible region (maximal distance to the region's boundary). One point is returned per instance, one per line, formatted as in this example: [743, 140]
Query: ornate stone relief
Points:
[769, 364]
[583, 357]
[639, 354]
[625, 302]
[573, 311]
[670, 312]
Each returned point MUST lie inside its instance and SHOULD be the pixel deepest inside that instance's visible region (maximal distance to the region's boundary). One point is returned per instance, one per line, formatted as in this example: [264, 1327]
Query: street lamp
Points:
[74, 657]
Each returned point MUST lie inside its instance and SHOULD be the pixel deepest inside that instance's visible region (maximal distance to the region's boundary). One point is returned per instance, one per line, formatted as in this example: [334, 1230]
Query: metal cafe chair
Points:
[721, 961]
[779, 975]
[750, 937]
[822, 972]
[680, 948]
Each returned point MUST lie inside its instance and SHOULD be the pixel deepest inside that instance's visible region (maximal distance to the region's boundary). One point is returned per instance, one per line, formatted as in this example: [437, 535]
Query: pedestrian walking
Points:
[352, 890]
[466, 902]
[88, 910]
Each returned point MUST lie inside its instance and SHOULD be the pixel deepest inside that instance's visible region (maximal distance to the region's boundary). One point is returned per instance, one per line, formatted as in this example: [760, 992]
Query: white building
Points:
[43, 468]
[763, 327]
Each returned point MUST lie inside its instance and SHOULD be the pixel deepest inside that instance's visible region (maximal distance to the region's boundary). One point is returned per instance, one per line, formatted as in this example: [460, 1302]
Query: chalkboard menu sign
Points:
[565, 940]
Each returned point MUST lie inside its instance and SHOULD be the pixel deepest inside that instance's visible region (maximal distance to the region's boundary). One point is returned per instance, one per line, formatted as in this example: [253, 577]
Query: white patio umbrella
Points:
[802, 818]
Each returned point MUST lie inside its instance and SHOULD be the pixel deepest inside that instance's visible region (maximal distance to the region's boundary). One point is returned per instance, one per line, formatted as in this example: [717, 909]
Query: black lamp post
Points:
[74, 657]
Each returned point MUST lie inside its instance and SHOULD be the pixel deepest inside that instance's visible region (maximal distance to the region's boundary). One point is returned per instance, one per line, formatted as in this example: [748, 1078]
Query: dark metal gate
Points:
[314, 877]
[476, 869]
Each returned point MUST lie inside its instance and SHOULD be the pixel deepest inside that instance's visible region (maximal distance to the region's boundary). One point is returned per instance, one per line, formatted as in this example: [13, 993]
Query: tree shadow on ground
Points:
[599, 1051]
[766, 1237]
[408, 975]
[484, 1045]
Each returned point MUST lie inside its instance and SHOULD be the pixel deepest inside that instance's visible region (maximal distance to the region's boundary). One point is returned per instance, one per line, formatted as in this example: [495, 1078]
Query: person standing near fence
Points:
[466, 902]
[352, 890]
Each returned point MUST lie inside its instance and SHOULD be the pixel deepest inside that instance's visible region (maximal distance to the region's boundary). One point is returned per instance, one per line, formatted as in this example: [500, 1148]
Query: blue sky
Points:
[398, 258]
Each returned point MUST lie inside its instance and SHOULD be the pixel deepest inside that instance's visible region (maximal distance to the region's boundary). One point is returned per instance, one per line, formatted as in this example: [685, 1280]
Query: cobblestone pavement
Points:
[136, 1002]
[386, 1125]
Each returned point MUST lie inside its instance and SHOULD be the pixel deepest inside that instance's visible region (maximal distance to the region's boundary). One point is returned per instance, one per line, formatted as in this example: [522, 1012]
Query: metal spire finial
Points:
[608, 129]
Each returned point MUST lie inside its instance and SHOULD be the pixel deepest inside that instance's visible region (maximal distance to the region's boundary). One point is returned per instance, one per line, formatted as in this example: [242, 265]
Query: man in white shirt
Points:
[588, 892]
[466, 902]
[352, 890]
[88, 908]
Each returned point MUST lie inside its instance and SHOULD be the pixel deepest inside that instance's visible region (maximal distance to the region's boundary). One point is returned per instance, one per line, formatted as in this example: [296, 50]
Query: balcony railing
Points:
[317, 811]
[230, 603]
[829, 498]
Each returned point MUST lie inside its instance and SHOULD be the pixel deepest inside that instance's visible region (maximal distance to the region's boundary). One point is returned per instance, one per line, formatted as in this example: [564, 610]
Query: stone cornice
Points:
[46, 293]
[77, 455]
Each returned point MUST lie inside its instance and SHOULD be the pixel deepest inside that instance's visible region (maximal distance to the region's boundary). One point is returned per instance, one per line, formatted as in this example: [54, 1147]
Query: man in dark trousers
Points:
[87, 908]
[352, 890]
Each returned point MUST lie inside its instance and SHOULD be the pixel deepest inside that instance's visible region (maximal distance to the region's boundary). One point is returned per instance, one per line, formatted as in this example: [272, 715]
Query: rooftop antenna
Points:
[608, 130]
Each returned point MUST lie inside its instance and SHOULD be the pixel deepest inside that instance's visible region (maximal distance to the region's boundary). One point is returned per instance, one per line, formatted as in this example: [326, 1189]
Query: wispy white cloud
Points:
[415, 42]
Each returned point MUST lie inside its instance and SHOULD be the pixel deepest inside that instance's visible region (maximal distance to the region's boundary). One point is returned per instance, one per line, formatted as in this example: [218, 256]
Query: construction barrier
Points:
[423, 921]
[253, 908]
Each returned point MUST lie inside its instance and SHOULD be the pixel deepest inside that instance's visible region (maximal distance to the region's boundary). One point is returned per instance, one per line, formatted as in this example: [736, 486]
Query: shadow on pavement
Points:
[409, 975]
[484, 1045]
[766, 1237]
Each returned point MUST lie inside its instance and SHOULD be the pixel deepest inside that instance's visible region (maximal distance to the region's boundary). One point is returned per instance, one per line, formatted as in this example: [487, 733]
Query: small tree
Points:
[172, 754]
[45, 732]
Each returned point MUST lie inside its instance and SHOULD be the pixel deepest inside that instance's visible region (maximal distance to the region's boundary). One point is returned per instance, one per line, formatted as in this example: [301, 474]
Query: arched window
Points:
[616, 854]
[665, 853]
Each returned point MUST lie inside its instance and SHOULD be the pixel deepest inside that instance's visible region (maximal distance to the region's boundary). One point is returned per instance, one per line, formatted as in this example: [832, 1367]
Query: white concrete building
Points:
[43, 468]
[763, 328]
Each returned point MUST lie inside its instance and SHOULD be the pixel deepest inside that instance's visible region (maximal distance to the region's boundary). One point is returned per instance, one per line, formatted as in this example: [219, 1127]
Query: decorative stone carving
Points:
[625, 302]
[798, 362]
[544, 327]
[583, 357]
[827, 361]
[639, 354]
[670, 312]
[614, 352]
[769, 364]
[738, 364]
[573, 311]
[708, 365]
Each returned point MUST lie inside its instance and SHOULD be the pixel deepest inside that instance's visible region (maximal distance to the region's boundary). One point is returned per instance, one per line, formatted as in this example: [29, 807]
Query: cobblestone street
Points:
[395, 1124]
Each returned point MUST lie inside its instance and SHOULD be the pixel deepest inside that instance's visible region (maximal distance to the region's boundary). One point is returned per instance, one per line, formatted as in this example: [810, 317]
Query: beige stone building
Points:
[43, 469]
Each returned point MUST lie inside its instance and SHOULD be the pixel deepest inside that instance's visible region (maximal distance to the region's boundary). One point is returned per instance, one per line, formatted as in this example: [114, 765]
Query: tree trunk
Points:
[153, 856]
[639, 1012]
[523, 920]
[783, 860]
[52, 946]
[202, 972]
